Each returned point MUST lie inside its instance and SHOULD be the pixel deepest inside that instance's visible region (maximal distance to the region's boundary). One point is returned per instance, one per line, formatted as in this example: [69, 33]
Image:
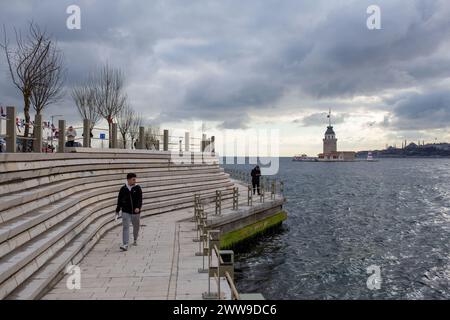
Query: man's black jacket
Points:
[256, 173]
[129, 200]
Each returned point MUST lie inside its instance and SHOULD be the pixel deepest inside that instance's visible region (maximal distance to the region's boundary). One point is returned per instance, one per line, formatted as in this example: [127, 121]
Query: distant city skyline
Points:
[261, 66]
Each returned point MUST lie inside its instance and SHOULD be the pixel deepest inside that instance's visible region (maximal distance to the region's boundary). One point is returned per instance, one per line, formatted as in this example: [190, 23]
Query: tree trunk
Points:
[110, 134]
[124, 141]
[26, 111]
[90, 136]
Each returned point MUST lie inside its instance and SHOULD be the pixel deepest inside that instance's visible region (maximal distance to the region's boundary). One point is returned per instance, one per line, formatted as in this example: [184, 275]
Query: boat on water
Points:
[370, 157]
[304, 158]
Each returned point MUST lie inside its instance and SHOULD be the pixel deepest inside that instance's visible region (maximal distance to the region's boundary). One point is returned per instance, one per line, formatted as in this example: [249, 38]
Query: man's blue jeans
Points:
[128, 218]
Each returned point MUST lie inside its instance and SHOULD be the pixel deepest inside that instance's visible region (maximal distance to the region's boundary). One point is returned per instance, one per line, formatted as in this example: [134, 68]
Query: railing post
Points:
[250, 196]
[114, 136]
[235, 198]
[157, 145]
[186, 141]
[11, 135]
[86, 133]
[203, 230]
[213, 237]
[141, 144]
[218, 202]
[261, 197]
[273, 192]
[166, 140]
[61, 136]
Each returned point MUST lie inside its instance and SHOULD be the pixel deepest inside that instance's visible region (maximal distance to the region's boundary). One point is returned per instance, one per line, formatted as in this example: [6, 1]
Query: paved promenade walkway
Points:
[162, 266]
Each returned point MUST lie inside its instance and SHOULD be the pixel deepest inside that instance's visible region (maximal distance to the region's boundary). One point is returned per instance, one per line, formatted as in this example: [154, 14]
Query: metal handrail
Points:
[234, 292]
[219, 257]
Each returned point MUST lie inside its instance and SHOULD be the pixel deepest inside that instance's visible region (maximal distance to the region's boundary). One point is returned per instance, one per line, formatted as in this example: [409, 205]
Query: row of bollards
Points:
[207, 145]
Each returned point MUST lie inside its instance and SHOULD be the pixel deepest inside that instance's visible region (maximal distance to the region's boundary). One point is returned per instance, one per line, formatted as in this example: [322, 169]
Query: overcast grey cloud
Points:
[229, 61]
[318, 119]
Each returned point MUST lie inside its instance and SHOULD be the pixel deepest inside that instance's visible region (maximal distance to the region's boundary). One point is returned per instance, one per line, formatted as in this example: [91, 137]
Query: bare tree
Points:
[50, 87]
[134, 129]
[84, 98]
[32, 64]
[124, 123]
[109, 95]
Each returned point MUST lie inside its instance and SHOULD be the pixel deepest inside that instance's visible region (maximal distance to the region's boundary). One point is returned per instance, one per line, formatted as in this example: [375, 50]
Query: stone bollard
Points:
[37, 134]
[186, 141]
[141, 141]
[86, 133]
[11, 135]
[166, 140]
[62, 136]
[203, 143]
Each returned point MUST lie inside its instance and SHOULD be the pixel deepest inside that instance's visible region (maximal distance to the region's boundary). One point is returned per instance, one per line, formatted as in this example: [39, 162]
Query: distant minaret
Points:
[330, 141]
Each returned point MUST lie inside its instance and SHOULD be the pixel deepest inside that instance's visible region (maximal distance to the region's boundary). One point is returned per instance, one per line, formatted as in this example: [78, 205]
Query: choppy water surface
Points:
[345, 217]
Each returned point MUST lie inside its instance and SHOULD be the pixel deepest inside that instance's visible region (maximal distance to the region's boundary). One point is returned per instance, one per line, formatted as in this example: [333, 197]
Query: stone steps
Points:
[44, 178]
[54, 208]
[23, 178]
[39, 220]
[28, 258]
[31, 197]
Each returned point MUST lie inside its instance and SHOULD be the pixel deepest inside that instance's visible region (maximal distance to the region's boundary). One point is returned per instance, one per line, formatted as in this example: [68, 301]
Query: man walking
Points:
[130, 202]
[256, 173]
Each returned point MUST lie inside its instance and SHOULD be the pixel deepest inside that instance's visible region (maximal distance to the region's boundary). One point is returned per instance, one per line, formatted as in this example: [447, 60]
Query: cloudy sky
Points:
[262, 64]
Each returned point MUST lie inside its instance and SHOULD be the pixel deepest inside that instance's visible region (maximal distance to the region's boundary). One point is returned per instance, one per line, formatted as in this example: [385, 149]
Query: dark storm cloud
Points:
[429, 110]
[227, 60]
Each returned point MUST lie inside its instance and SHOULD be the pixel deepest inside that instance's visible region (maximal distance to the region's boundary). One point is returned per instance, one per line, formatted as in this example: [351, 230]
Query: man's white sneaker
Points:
[124, 247]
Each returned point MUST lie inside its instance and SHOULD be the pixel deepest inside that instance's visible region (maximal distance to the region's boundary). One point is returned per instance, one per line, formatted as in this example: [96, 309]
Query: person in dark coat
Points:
[129, 201]
[256, 174]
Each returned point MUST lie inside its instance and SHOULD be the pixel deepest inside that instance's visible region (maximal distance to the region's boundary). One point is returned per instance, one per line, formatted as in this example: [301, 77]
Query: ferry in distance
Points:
[304, 158]
[370, 157]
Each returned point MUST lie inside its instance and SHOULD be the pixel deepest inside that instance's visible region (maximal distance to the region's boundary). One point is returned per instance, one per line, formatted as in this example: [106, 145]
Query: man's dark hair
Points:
[131, 175]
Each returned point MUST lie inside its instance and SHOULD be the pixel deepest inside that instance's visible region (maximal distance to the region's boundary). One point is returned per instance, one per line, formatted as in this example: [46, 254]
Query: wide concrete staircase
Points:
[55, 207]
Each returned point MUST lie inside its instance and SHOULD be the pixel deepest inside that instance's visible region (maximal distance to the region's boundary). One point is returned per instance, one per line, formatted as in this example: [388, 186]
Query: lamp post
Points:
[51, 129]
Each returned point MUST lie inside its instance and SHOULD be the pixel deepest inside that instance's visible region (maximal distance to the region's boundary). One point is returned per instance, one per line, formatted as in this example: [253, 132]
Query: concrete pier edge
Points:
[233, 238]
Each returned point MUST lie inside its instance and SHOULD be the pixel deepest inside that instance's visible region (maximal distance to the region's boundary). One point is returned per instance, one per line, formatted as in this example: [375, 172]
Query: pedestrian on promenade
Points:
[256, 173]
[129, 201]
[71, 134]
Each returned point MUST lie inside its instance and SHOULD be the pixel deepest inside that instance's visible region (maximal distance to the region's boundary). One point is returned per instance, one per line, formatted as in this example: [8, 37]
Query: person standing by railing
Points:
[256, 174]
[129, 201]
